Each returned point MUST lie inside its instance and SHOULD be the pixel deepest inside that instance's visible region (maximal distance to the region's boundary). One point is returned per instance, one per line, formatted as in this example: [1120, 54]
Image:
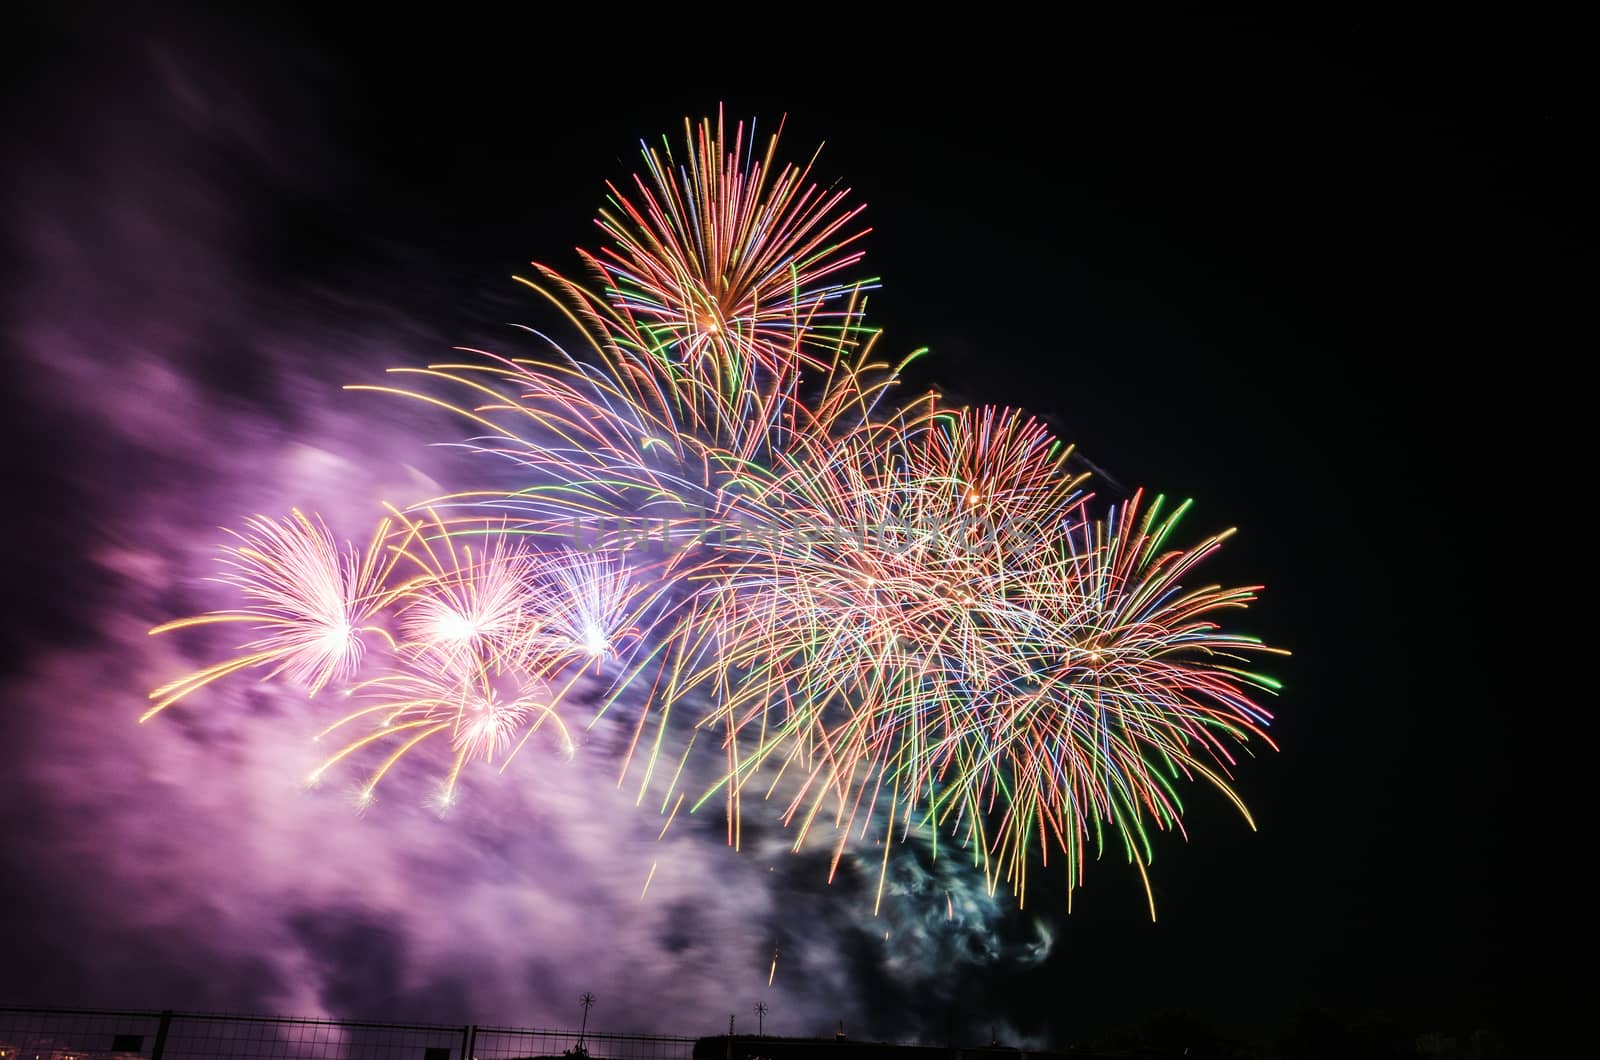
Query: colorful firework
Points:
[587, 604]
[859, 656]
[470, 600]
[902, 614]
[1129, 686]
[726, 260]
[719, 288]
[312, 602]
[478, 711]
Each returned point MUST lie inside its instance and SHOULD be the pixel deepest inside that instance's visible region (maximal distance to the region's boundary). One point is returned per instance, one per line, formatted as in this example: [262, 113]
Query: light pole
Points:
[586, 1000]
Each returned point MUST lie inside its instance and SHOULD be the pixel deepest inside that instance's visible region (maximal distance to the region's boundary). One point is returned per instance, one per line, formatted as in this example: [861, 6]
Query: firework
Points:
[588, 601]
[858, 650]
[497, 636]
[312, 602]
[1129, 686]
[726, 257]
[472, 597]
[478, 711]
[891, 618]
[720, 286]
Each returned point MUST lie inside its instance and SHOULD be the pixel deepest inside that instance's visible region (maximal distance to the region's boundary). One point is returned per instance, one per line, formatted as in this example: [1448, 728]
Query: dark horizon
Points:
[1312, 1033]
[1292, 274]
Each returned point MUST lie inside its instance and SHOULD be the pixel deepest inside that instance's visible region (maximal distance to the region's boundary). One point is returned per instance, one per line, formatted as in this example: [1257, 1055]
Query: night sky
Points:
[1276, 271]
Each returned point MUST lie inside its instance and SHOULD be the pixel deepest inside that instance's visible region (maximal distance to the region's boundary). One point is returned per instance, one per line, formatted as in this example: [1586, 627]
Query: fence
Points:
[101, 1034]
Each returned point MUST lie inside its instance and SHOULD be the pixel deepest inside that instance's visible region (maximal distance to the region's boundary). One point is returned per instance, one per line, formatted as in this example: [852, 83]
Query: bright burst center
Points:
[453, 627]
[336, 638]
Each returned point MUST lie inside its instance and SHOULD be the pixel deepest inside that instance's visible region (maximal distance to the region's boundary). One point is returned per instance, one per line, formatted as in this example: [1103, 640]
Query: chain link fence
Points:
[103, 1034]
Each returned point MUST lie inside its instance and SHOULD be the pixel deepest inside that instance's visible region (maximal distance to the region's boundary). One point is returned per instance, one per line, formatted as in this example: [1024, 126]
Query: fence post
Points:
[469, 1040]
[161, 1034]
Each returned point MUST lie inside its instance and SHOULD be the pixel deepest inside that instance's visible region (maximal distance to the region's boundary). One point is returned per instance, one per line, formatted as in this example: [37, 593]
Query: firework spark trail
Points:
[892, 618]
[469, 598]
[896, 603]
[724, 264]
[500, 635]
[591, 607]
[1132, 687]
[313, 602]
[718, 287]
[478, 711]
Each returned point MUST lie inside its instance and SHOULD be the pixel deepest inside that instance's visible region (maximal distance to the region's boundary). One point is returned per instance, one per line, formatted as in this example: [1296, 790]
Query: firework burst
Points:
[312, 602]
[1128, 685]
[479, 712]
[891, 617]
[722, 258]
[471, 596]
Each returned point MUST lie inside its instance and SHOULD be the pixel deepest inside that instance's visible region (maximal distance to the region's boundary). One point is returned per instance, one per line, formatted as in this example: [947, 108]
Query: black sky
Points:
[1293, 273]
